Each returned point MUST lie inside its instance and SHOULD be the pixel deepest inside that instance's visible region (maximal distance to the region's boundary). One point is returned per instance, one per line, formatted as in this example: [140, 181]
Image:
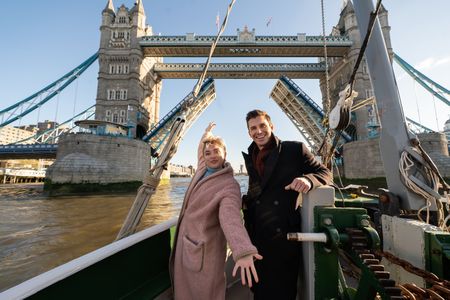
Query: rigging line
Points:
[20, 119]
[57, 107]
[435, 112]
[377, 113]
[327, 84]
[38, 115]
[373, 17]
[75, 99]
[417, 100]
[340, 181]
[213, 47]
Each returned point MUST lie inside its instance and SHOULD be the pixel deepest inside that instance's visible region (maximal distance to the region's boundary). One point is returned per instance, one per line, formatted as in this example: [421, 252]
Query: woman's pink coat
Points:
[210, 216]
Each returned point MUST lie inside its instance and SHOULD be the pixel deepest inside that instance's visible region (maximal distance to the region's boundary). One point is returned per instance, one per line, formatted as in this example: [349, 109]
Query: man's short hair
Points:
[214, 140]
[256, 113]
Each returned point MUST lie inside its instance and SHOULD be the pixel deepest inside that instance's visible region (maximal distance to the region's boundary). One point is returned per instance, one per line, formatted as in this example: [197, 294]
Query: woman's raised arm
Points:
[205, 135]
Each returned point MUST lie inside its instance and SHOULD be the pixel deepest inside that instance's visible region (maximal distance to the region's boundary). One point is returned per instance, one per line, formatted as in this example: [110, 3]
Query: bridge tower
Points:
[364, 124]
[128, 91]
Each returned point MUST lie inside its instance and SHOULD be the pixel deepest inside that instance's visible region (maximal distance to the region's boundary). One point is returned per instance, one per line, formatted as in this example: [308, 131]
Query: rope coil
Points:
[406, 164]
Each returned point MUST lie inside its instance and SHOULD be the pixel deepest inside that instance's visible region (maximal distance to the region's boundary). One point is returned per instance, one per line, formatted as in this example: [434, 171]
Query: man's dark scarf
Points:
[259, 156]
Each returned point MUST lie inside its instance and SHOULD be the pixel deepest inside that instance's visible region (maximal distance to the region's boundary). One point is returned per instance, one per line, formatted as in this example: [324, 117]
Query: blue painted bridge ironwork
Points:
[31, 151]
[245, 43]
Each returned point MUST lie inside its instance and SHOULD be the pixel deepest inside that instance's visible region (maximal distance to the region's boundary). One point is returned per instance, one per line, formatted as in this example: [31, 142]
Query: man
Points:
[277, 171]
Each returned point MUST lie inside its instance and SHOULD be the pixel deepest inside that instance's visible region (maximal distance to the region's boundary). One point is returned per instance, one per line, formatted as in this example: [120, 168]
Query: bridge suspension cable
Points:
[418, 127]
[29, 104]
[434, 88]
[53, 134]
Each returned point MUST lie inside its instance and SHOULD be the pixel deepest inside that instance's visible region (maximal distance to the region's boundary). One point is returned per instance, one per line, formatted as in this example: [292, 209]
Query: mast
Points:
[395, 136]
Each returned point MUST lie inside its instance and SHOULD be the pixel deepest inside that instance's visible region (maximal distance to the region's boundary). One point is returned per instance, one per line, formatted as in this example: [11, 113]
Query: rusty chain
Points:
[440, 288]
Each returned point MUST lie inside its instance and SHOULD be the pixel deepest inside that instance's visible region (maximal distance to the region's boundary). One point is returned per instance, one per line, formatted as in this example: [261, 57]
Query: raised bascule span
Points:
[306, 115]
[158, 134]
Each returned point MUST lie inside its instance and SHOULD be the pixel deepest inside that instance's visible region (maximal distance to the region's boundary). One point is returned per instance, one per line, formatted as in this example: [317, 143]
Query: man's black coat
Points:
[269, 213]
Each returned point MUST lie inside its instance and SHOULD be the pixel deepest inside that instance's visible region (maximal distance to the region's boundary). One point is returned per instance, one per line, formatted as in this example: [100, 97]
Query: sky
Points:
[42, 40]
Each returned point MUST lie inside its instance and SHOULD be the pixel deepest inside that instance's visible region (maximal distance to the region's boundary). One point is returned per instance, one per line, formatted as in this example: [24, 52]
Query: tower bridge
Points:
[132, 70]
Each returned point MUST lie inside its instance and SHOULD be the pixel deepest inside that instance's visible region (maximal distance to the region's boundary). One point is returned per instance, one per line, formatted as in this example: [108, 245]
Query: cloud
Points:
[443, 61]
[431, 62]
[425, 64]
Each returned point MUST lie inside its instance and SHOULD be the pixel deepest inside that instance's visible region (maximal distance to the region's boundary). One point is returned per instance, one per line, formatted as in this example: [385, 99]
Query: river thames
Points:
[38, 232]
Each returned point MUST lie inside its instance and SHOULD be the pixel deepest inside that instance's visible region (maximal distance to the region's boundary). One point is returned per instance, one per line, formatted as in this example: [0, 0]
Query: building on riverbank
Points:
[181, 171]
[10, 135]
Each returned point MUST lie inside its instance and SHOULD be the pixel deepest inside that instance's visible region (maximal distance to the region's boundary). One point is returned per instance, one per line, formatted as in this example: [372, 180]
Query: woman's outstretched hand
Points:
[210, 127]
[247, 268]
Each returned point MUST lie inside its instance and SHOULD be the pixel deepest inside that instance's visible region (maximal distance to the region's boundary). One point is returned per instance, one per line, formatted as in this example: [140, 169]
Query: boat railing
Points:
[57, 275]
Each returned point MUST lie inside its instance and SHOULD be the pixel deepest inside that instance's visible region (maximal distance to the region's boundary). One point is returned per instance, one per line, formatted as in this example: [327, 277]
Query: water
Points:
[38, 232]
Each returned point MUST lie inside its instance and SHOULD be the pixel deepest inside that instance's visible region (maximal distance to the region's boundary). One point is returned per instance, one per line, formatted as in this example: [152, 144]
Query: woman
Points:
[210, 217]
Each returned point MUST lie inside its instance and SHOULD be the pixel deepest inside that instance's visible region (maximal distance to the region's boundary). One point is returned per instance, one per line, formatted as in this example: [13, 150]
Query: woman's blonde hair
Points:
[214, 140]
